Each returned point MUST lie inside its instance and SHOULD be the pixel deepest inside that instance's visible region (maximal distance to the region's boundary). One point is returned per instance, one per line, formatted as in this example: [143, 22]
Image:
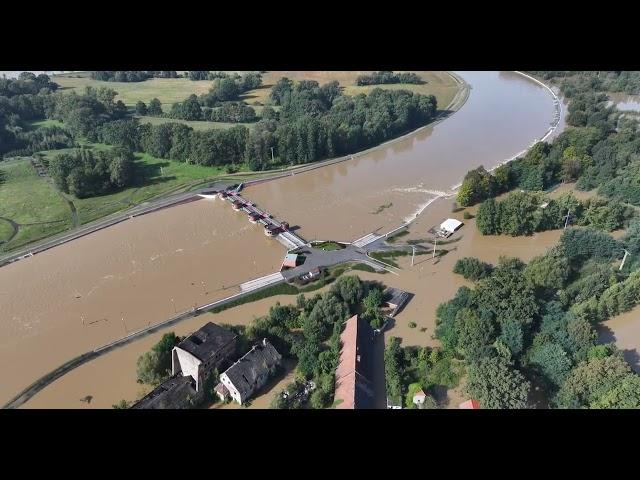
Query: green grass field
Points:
[6, 230]
[153, 177]
[30, 201]
[167, 90]
[439, 84]
[172, 90]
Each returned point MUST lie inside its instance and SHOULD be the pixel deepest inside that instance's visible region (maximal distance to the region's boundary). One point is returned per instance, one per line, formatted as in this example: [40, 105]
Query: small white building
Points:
[449, 226]
[419, 397]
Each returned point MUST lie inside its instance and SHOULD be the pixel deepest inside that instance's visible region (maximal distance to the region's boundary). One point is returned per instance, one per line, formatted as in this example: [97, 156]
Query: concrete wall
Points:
[188, 364]
[233, 392]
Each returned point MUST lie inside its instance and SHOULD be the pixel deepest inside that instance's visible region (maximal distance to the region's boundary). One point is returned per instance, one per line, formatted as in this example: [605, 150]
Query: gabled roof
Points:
[397, 297]
[353, 387]
[419, 393]
[206, 342]
[470, 404]
[259, 361]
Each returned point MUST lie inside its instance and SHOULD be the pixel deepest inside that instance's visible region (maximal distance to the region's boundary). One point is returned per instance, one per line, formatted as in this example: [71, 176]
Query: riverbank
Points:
[183, 192]
[450, 160]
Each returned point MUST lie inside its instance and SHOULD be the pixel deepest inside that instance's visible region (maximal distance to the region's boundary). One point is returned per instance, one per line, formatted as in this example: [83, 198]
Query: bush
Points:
[154, 367]
[472, 268]
[413, 324]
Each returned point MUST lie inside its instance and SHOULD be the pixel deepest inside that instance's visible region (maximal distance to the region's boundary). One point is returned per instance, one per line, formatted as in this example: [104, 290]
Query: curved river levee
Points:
[504, 114]
[84, 294]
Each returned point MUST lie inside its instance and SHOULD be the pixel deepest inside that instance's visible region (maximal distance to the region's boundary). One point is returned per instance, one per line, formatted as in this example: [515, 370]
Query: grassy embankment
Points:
[26, 198]
[30, 201]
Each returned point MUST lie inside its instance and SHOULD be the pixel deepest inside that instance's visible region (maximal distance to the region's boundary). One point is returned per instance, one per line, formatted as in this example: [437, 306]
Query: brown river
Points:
[91, 291]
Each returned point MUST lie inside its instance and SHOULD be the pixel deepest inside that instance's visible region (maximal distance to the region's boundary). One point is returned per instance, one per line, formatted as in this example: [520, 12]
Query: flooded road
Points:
[89, 292]
[505, 112]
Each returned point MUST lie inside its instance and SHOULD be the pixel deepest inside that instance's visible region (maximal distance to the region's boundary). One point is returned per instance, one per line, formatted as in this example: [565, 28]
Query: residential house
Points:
[250, 373]
[419, 398]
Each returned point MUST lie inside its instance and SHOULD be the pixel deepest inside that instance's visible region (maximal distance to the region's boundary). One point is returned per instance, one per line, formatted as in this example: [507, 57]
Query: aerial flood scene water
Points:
[117, 281]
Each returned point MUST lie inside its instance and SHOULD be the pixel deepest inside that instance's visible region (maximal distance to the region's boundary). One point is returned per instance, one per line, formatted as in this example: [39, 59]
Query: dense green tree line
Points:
[531, 324]
[85, 173]
[314, 123]
[23, 100]
[379, 78]
[523, 213]
[602, 151]
[191, 109]
[130, 76]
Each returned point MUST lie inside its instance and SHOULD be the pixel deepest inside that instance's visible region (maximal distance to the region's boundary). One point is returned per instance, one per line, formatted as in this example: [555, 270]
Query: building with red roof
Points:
[354, 388]
[470, 404]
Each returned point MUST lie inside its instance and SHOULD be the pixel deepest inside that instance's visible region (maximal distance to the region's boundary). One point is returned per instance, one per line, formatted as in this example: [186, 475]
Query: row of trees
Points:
[340, 125]
[131, 76]
[379, 78]
[523, 213]
[230, 87]
[85, 173]
[190, 109]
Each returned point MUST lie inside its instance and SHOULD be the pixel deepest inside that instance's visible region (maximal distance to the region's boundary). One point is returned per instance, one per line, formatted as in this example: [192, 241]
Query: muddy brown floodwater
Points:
[91, 291]
[123, 278]
[504, 114]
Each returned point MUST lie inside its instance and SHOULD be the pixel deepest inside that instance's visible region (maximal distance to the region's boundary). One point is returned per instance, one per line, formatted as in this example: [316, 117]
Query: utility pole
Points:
[434, 247]
[566, 222]
[174, 306]
[413, 254]
[272, 154]
[623, 259]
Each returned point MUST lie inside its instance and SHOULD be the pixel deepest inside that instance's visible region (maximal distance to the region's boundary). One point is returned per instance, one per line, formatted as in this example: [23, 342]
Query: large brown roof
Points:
[353, 388]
